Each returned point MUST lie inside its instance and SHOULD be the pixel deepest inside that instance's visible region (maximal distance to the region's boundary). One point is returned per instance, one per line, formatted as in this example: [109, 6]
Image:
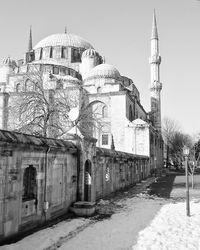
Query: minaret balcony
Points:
[156, 86]
[155, 59]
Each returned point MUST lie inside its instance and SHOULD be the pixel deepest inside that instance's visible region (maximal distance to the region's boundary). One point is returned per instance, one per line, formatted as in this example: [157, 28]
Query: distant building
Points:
[67, 62]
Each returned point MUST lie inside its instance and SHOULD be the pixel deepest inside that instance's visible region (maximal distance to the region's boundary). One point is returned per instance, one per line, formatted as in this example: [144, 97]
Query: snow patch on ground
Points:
[172, 229]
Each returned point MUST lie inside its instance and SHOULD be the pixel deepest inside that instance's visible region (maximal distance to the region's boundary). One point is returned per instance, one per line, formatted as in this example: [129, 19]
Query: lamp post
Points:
[186, 151]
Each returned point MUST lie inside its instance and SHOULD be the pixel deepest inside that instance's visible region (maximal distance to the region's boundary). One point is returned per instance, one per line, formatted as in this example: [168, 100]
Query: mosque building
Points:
[70, 63]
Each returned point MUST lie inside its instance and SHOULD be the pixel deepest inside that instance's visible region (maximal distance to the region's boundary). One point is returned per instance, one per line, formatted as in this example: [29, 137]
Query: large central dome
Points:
[65, 40]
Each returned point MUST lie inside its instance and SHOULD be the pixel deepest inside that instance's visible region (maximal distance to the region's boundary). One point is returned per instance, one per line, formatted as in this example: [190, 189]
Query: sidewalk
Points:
[68, 231]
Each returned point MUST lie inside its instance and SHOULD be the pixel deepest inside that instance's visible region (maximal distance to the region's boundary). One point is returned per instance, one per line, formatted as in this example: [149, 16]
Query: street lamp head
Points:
[186, 151]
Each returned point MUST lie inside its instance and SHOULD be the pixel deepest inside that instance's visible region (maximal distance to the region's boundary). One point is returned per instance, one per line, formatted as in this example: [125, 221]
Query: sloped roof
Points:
[19, 138]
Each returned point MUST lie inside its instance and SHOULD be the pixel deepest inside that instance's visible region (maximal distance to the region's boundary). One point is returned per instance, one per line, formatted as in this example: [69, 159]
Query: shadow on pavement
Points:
[173, 185]
[164, 185]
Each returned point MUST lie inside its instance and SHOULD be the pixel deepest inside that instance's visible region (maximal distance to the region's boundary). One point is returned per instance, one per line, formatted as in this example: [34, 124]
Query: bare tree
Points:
[178, 141]
[197, 151]
[194, 158]
[169, 128]
[174, 140]
[45, 112]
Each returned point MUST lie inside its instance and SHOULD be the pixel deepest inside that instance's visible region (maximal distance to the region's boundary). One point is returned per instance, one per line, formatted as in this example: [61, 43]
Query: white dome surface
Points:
[65, 40]
[104, 70]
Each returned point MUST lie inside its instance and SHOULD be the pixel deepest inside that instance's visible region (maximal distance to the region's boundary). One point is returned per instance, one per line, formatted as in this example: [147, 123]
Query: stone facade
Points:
[67, 63]
[117, 170]
[38, 180]
[95, 157]
[40, 177]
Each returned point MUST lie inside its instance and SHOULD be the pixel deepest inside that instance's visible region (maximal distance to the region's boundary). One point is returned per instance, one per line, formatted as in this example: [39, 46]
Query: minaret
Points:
[155, 86]
[30, 47]
[29, 55]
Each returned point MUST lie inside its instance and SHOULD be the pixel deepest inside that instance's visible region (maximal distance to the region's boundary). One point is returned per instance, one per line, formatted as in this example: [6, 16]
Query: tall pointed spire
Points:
[155, 84]
[65, 29]
[154, 34]
[30, 47]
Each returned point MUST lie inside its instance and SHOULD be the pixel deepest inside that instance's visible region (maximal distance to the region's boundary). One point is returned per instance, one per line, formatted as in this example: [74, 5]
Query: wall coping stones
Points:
[114, 153]
[20, 138]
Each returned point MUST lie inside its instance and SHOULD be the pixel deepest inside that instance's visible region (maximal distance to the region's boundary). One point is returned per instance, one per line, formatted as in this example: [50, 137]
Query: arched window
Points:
[88, 180]
[99, 90]
[29, 86]
[18, 87]
[64, 52]
[76, 56]
[51, 53]
[59, 85]
[105, 111]
[55, 70]
[30, 183]
[104, 139]
[41, 52]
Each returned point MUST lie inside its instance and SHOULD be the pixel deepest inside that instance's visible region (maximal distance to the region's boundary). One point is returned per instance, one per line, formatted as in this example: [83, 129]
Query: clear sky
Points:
[120, 30]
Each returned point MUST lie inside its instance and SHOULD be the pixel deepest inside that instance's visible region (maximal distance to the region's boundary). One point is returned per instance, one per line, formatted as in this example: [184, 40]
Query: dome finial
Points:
[30, 47]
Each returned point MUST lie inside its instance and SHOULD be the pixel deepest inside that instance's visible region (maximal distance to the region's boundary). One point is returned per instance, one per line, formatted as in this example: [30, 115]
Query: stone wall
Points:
[116, 170]
[38, 180]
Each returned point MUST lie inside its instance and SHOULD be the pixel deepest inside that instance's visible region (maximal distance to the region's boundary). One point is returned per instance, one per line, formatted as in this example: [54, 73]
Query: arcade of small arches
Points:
[59, 52]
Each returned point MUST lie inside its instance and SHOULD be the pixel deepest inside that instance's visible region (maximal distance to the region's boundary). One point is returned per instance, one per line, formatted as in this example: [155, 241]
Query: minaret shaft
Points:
[155, 85]
[30, 46]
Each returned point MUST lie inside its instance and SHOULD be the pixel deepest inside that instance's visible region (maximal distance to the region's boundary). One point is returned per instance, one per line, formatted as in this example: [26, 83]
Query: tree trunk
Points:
[192, 180]
[167, 158]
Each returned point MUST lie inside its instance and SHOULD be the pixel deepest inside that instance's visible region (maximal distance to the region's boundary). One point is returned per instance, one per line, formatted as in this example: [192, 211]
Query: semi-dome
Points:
[65, 40]
[90, 53]
[104, 70]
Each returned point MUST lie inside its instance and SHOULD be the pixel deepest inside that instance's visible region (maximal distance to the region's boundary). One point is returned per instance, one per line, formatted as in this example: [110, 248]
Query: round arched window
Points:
[105, 111]
[99, 90]
[29, 86]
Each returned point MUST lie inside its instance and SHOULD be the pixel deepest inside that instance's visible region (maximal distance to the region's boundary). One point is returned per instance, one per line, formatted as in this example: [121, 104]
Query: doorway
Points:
[87, 181]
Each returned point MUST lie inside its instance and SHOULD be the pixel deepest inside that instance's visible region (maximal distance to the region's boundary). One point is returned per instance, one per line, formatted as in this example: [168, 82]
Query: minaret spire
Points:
[30, 46]
[65, 29]
[155, 85]
[154, 34]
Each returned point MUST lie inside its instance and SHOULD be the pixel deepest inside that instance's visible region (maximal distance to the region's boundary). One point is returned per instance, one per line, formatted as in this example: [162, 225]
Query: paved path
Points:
[120, 220]
[138, 210]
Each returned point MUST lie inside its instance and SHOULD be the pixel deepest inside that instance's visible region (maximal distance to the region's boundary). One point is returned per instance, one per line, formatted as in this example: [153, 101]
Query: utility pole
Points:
[186, 153]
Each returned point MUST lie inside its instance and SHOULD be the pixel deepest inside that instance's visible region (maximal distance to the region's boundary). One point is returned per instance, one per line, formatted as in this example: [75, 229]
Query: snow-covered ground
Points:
[172, 229]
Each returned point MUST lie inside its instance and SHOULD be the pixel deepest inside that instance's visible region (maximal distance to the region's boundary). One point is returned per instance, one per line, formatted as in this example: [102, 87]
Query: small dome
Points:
[90, 53]
[104, 71]
[9, 62]
[65, 40]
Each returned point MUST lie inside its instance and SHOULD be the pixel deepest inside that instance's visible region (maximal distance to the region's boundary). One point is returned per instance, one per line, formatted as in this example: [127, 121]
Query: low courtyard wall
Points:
[116, 170]
[40, 178]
